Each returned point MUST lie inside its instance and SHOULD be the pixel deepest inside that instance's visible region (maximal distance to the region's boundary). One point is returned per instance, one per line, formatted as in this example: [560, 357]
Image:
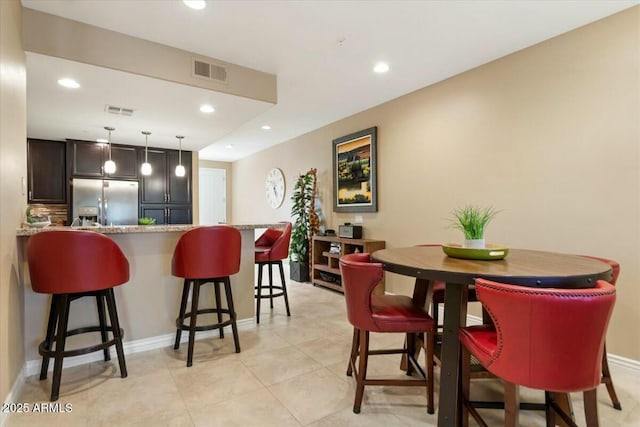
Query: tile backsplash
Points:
[57, 213]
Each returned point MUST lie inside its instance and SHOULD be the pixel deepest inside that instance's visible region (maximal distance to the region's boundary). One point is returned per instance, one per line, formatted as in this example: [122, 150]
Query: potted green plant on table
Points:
[472, 221]
[303, 226]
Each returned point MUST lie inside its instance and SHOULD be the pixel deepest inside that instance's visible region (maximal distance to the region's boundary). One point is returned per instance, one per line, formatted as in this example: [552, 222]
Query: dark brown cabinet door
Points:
[46, 171]
[167, 214]
[126, 159]
[165, 196]
[157, 213]
[86, 158]
[179, 215]
[154, 186]
[179, 186]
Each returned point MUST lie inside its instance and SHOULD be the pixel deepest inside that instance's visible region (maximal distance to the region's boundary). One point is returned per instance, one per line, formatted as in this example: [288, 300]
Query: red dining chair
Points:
[270, 249]
[546, 339]
[206, 255]
[70, 265]
[383, 314]
[607, 380]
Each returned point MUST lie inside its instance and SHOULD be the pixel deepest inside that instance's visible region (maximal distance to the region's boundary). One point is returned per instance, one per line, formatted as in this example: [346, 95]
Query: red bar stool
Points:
[270, 249]
[383, 313]
[70, 265]
[206, 255]
[545, 339]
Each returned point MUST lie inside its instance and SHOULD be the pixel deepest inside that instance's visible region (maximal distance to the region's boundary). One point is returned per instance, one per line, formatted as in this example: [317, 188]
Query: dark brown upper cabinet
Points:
[86, 159]
[163, 186]
[46, 171]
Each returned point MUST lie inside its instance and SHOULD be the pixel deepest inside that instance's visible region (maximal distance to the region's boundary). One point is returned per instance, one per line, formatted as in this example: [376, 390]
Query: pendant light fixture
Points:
[146, 166]
[109, 165]
[180, 169]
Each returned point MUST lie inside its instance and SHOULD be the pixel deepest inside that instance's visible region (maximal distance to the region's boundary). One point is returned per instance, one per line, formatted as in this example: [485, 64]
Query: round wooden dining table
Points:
[520, 267]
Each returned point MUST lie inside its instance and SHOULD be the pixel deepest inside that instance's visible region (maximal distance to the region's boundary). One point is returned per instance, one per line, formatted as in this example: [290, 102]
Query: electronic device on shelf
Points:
[350, 231]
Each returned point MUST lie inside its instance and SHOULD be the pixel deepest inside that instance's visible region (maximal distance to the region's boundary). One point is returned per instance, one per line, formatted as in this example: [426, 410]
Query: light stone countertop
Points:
[123, 229]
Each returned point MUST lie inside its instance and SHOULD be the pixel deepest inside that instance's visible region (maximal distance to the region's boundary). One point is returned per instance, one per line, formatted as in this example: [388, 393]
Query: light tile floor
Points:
[291, 372]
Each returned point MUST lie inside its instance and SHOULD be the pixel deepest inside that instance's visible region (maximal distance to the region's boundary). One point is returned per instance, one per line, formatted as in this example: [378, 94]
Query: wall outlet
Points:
[358, 219]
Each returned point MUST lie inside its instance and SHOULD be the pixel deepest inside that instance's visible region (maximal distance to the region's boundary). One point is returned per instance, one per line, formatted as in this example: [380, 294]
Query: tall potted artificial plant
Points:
[472, 221]
[301, 232]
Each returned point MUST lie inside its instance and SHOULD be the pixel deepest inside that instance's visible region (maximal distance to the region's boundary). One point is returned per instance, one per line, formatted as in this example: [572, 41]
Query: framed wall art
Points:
[354, 172]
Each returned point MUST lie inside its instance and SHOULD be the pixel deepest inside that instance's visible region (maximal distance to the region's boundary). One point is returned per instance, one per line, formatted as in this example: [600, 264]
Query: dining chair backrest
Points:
[548, 339]
[359, 278]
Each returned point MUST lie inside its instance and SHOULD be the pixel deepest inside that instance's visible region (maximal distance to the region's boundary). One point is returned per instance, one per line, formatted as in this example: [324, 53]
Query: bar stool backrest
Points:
[207, 252]
[276, 241]
[74, 261]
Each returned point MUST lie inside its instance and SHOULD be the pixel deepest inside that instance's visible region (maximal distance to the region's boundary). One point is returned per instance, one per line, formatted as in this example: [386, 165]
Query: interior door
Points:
[213, 196]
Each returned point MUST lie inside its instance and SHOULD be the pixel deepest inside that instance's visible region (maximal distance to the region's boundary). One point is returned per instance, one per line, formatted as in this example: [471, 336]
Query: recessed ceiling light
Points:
[102, 140]
[228, 147]
[381, 67]
[266, 127]
[195, 4]
[206, 108]
[69, 83]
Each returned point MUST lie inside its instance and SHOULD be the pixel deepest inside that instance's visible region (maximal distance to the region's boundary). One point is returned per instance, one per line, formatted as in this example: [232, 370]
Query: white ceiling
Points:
[321, 51]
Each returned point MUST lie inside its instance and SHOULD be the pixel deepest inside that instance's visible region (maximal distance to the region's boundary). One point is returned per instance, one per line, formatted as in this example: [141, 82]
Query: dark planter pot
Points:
[299, 271]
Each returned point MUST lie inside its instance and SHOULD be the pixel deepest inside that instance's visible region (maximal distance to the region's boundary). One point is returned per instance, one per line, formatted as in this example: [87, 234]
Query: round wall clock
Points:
[274, 188]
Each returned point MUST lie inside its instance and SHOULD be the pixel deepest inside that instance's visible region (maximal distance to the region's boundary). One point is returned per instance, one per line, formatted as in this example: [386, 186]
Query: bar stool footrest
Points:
[267, 287]
[43, 349]
[186, 327]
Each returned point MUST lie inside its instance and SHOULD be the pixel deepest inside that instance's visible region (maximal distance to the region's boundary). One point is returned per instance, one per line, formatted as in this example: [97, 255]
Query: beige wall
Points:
[548, 135]
[13, 169]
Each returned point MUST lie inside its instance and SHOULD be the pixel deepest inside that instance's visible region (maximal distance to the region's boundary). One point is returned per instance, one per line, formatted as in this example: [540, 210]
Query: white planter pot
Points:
[474, 243]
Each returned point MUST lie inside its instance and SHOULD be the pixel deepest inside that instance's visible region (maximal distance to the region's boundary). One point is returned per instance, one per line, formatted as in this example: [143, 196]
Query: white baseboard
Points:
[32, 367]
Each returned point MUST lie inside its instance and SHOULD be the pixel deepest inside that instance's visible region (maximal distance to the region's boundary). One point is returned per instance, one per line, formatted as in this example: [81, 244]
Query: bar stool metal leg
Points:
[216, 291]
[183, 309]
[49, 338]
[192, 323]
[270, 286]
[259, 292]
[232, 313]
[103, 325]
[284, 288]
[62, 311]
[117, 332]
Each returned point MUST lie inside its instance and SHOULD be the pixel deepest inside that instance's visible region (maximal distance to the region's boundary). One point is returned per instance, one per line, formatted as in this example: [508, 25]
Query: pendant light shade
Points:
[109, 165]
[180, 171]
[146, 169]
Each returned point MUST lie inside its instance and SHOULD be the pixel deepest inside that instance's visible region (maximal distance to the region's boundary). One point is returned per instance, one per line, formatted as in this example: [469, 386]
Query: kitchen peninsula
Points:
[148, 304]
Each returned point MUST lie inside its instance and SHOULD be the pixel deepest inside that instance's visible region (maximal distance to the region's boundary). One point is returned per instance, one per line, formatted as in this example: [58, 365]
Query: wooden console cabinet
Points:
[325, 269]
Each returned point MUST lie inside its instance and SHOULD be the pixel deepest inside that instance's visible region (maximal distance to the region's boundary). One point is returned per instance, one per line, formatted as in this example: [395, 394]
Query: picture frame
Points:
[355, 172]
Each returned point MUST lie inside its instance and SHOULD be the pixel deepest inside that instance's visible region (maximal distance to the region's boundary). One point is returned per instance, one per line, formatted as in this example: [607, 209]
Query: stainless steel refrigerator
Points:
[113, 202]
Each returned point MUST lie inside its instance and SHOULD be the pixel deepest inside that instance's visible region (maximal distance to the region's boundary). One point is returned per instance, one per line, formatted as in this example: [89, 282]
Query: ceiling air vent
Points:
[112, 109]
[209, 71]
